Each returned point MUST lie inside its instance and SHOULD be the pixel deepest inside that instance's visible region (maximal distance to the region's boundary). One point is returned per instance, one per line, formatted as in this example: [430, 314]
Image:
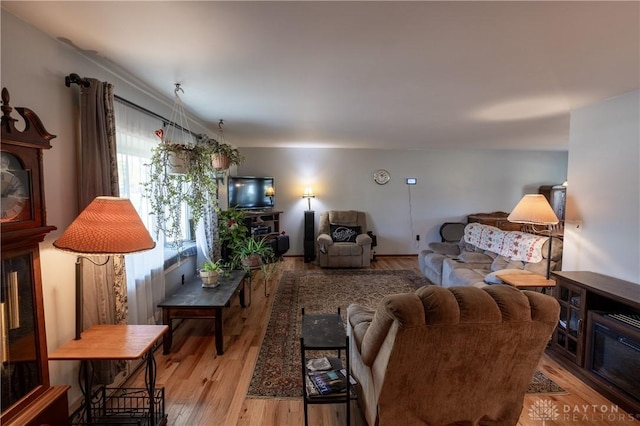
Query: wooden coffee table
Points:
[194, 301]
[526, 280]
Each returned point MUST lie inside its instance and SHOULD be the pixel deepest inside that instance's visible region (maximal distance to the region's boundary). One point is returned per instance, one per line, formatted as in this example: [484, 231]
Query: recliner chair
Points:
[444, 356]
[342, 240]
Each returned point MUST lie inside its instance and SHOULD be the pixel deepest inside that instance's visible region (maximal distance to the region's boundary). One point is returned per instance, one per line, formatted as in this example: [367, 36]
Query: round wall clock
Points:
[15, 190]
[381, 176]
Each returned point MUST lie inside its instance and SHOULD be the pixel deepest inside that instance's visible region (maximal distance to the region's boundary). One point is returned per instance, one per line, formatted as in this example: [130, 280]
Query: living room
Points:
[598, 157]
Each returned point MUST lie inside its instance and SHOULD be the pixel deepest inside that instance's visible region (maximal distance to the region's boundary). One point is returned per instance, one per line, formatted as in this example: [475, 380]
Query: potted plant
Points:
[251, 252]
[167, 190]
[223, 155]
[231, 231]
[210, 272]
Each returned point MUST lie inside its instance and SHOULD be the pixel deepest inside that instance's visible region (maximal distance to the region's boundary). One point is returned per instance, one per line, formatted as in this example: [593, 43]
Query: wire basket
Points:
[122, 406]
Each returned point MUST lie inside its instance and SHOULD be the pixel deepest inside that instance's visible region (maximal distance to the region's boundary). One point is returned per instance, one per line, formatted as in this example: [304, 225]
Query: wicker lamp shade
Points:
[109, 225]
[533, 209]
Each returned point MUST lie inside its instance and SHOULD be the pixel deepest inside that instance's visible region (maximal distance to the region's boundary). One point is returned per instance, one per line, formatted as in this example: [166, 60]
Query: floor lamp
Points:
[108, 226]
[534, 209]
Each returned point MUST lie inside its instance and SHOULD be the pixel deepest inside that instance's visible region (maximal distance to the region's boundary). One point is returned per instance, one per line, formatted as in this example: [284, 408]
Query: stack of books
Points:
[324, 381]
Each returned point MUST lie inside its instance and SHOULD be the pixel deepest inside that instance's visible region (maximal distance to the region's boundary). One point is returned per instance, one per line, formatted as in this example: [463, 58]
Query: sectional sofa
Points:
[483, 251]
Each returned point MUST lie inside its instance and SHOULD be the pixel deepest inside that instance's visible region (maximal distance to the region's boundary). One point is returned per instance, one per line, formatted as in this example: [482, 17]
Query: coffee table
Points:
[194, 301]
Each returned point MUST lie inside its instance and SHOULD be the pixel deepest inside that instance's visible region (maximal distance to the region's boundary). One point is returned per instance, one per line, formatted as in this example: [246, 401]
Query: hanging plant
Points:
[168, 191]
[223, 155]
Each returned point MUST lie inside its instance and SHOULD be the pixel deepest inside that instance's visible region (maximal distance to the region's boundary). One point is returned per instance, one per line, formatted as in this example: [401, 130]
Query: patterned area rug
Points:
[542, 385]
[277, 371]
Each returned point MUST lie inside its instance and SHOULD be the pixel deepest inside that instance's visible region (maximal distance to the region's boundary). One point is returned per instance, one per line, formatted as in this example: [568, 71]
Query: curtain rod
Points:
[84, 82]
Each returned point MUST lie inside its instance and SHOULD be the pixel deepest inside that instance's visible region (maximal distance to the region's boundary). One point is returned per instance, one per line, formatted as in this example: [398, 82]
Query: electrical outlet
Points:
[417, 237]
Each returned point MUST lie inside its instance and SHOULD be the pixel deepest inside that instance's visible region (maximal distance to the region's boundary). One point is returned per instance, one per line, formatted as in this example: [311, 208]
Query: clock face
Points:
[381, 177]
[15, 195]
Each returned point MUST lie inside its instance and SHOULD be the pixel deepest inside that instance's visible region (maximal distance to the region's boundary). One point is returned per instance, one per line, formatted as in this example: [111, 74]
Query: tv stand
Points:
[263, 218]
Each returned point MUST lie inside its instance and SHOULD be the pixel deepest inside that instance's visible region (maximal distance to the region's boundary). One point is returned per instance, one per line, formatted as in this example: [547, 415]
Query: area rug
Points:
[277, 371]
[542, 385]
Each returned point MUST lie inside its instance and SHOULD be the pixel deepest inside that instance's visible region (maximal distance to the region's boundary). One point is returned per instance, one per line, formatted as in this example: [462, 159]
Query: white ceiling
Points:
[409, 75]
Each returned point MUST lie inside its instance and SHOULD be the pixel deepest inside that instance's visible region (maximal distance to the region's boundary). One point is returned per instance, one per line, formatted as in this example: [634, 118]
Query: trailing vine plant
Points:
[167, 191]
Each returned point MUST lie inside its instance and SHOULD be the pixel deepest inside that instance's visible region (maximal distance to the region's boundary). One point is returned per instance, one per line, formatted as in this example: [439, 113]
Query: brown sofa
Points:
[333, 253]
[442, 356]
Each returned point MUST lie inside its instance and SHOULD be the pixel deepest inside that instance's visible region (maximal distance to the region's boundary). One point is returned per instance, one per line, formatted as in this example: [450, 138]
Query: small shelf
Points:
[325, 332]
[123, 406]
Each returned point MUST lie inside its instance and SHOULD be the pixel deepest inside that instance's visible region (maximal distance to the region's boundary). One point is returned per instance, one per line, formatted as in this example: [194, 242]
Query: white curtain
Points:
[145, 271]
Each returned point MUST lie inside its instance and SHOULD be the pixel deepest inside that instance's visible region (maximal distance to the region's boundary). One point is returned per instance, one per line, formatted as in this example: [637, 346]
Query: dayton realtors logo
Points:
[546, 410]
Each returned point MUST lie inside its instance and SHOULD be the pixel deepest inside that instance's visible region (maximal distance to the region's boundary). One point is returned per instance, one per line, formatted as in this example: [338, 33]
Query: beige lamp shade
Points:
[308, 193]
[533, 209]
[109, 225]
[270, 192]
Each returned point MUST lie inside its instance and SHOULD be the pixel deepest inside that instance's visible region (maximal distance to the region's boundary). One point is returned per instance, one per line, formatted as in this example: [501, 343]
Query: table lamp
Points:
[270, 192]
[534, 209]
[108, 226]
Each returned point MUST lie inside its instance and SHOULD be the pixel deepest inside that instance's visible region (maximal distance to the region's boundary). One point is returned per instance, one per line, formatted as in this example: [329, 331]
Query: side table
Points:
[527, 281]
[324, 332]
[112, 342]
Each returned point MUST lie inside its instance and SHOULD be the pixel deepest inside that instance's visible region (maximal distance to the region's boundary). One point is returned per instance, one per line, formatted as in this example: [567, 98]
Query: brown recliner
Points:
[335, 225]
[443, 356]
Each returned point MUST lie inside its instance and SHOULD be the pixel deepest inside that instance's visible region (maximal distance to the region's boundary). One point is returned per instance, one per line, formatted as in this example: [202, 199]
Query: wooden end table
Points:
[113, 342]
[527, 281]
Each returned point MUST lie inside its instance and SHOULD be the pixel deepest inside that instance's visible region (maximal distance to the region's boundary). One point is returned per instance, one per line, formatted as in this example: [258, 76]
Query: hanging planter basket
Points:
[177, 163]
[220, 161]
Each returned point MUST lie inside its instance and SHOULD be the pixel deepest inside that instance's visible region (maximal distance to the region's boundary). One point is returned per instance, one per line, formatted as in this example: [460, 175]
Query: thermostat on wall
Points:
[412, 181]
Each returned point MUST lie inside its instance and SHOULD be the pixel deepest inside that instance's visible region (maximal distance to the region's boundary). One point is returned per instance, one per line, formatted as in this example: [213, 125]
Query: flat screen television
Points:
[249, 192]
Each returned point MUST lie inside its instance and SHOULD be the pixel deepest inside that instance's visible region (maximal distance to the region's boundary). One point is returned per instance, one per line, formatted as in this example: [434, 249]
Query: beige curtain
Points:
[105, 290]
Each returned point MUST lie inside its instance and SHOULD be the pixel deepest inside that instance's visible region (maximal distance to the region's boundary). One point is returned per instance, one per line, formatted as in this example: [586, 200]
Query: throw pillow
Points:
[493, 278]
[344, 234]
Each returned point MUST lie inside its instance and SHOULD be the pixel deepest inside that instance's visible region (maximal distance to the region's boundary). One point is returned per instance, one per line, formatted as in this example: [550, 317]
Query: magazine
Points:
[329, 383]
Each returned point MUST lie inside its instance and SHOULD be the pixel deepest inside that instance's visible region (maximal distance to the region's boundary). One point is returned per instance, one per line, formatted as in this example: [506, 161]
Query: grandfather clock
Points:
[27, 397]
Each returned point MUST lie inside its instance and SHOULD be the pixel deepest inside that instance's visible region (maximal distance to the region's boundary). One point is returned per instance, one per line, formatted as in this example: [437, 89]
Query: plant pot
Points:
[220, 161]
[253, 261]
[209, 278]
[177, 162]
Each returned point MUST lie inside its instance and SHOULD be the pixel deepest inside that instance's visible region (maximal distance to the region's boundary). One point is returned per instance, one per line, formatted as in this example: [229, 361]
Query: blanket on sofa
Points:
[514, 245]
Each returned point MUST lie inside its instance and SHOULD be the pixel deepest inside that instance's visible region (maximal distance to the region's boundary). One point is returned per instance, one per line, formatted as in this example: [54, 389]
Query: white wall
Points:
[451, 185]
[603, 196]
[33, 70]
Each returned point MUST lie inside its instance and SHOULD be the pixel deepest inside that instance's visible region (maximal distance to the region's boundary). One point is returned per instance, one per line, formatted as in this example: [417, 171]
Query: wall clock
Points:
[15, 198]
[381, 176]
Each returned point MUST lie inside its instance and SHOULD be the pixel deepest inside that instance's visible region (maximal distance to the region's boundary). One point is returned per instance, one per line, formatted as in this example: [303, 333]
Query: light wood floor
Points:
[202, 388]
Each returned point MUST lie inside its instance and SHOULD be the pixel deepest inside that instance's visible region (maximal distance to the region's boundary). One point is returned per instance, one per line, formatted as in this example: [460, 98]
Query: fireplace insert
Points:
[613, 354]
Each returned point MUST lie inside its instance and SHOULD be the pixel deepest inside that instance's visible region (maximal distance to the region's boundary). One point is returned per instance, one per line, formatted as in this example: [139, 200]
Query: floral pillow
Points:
[344, 234]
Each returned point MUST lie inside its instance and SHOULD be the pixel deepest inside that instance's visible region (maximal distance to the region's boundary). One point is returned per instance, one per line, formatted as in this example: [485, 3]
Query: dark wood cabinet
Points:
[576, 343]
[568, 337]
[27, 397]
[497, 219]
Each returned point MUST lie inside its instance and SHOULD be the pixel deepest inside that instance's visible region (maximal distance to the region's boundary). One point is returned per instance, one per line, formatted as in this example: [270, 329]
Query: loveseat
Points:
[445, 356]
[485, 251]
